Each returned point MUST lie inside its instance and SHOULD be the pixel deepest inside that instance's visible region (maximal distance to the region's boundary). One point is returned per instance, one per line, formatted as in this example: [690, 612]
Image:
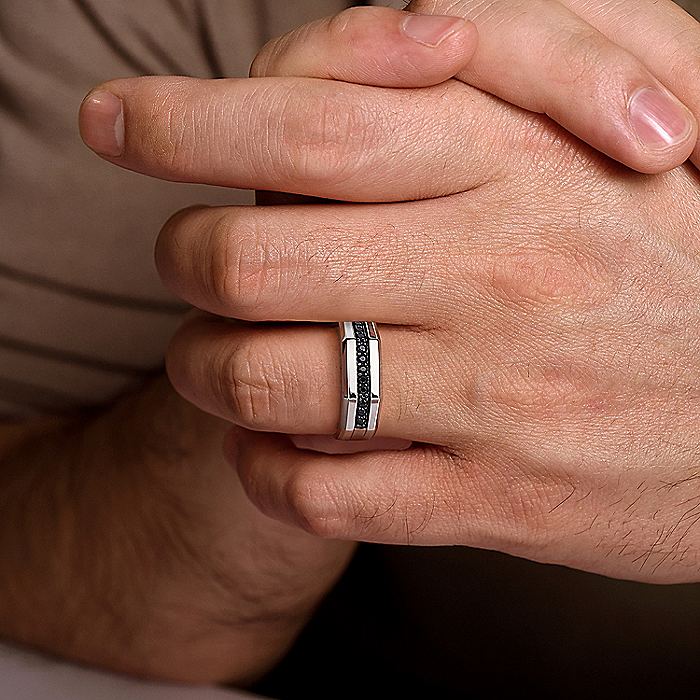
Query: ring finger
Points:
[286, 378]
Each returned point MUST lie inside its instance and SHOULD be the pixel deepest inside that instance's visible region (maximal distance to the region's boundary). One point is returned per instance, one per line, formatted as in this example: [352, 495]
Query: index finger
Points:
[302, 136]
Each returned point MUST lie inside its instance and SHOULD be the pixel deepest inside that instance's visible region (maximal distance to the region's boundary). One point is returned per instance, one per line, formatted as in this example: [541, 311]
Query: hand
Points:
[588, 65]
[551, 436]
[128, 543]
[610, 96]
[540, 340]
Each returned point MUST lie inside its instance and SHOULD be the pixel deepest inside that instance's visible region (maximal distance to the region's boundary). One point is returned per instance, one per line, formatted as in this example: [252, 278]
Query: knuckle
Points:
[549, 392]
[316, 503]
[264, 62]
[354, 27]
[339, 24]
[524, 278]
[256, 387]
[272, 59]
[329, 136]
[331, 508]
[528, 388]
[247, 270]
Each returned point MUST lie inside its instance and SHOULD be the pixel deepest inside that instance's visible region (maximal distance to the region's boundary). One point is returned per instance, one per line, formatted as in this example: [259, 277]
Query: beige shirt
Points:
[83, 318]
[83, 315]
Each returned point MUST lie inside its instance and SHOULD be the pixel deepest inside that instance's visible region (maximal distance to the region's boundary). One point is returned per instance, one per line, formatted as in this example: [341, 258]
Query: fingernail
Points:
[430, 30]
[658, 118]
[102, 123]
[331, 446]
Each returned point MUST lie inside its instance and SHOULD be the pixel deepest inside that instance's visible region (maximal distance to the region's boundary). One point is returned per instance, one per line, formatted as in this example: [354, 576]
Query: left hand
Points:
[540, 335]
[540, 341]
[583, 63]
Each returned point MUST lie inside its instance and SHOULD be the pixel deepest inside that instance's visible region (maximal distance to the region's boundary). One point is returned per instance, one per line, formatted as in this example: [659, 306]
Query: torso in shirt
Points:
[83, 318]
[83, 315]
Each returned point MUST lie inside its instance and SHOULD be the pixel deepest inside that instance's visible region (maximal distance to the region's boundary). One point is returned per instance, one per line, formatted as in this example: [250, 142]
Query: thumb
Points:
[372, 46]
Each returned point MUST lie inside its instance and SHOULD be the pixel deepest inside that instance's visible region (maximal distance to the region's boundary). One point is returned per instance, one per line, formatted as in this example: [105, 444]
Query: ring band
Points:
[360, 367]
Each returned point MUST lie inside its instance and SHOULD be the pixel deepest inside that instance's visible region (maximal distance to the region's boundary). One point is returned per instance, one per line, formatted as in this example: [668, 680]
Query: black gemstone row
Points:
[364, 395]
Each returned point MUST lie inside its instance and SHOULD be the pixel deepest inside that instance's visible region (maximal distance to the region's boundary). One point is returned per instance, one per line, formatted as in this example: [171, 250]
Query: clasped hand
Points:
[538, 300]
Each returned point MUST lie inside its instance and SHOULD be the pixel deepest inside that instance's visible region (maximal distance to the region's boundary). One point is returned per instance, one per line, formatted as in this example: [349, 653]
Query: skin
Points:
[549, 297]
[128, 543]
[515, 242]
[574, 43]
[554, 314]
[547, 57]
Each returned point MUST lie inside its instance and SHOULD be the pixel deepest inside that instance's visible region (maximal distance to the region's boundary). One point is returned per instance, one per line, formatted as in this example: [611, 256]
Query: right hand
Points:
[128, 543]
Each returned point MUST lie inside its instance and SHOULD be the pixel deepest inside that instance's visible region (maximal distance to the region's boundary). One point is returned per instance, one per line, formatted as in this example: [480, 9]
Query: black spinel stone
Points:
[364, 396]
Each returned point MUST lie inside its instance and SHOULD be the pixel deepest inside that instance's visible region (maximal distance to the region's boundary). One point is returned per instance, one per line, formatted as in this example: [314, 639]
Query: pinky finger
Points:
[489, 497]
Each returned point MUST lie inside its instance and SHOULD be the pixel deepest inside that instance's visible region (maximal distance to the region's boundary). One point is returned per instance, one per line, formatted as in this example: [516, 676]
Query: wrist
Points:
[114, 551]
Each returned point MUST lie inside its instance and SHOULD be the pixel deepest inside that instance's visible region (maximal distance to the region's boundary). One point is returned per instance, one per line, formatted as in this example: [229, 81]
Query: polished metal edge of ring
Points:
[360, 368]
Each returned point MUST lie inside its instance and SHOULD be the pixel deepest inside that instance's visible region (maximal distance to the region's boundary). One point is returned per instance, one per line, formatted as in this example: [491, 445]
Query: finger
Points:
[421, 496]
[286, 379]
[661, 34]
[359, 497]
[309, 263]
[372, 46]
[303, 136]
[544, 58]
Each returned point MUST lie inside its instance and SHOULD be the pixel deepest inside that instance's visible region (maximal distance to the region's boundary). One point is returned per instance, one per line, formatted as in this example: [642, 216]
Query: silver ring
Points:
[360, 368]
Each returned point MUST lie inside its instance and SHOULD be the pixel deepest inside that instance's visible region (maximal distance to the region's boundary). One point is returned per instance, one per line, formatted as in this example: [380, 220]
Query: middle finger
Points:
[312, 263]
